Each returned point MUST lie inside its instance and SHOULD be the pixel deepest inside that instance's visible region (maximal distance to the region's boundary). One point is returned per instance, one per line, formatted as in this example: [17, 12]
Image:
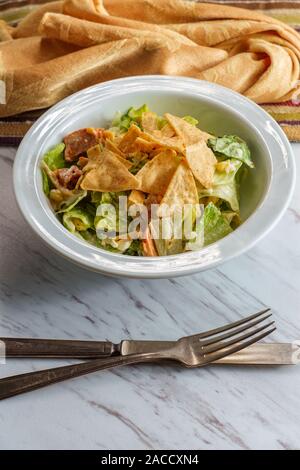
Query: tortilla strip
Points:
[109, 175]
[187, 132]
[143, 145]
[167, 130]
[110, 145]
[202, 162]
[181, 190]
[95, 155]
[173, 143]
[156, 175]
[127, 143]
[149, 122]
[136, 197]
[129, 138]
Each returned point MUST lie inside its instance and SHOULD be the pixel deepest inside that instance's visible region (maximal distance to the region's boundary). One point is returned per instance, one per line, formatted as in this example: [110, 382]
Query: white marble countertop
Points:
[145, 407]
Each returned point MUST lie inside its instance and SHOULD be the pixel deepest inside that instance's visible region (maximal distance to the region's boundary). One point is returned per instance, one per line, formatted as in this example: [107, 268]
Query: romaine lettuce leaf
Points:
[70, 203]
[116, 245]
[90, 237]
[212, 226]
[135, 249]
[224, 185]
[133, 115]
[54, 159]
[231, 146]
[216, 226]
[106, 224]
[46, 183]
[77, 220]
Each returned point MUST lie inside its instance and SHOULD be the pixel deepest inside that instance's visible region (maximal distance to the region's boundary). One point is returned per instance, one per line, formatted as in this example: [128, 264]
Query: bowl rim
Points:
[260, 222]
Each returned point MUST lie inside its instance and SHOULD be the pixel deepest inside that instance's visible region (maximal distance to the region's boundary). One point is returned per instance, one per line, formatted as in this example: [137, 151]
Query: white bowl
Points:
[264, 198]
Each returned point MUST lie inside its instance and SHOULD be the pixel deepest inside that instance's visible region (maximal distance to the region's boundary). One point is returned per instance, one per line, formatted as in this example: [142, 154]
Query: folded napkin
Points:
[64, 46]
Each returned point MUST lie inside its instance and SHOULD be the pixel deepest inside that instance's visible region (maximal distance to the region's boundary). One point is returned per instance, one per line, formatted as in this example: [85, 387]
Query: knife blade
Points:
[256, 354]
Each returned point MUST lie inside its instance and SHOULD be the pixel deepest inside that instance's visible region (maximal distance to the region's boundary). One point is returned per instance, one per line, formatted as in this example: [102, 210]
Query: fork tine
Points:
[227, 351]
[229, 326]
[245, 327]
[220, 345]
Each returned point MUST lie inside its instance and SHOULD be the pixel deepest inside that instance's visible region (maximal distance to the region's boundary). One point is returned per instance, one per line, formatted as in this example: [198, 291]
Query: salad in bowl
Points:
[147, 185]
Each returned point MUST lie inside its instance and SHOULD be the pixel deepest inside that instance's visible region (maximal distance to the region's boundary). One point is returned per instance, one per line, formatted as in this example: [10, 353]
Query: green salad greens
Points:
[111, 187]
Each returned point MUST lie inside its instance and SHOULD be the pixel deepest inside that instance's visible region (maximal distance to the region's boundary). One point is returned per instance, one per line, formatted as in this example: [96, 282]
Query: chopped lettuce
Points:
[212, 226]
[90, 237]
[133, 115]
[116, 245]
[231, 146]
[135, 249]
[46, 183]
[96, 197]
[107, 223]
[216, 226]
[54, 159]
[169, 247]
[224, 185]
[197, 242]
[77, 220]
[191, 120]
[70, 204]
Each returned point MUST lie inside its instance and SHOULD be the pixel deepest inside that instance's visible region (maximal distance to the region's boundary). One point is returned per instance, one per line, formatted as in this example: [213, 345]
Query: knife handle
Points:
[56, 348]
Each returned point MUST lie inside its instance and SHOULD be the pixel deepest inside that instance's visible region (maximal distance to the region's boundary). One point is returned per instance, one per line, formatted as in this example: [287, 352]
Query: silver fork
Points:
[190, 351]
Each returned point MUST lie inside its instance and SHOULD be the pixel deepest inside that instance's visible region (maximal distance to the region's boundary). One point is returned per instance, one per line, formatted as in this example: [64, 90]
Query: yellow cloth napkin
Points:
[68, 45]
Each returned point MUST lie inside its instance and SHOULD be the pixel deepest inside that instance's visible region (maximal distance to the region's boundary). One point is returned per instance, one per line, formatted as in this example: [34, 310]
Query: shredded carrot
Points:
[148, 245]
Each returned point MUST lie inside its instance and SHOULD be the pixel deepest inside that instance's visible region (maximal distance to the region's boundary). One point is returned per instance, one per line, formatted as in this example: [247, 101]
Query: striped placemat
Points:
[287, 114]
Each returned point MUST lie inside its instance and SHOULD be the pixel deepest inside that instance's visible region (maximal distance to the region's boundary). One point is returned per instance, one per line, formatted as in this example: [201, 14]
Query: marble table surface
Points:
[148, 407]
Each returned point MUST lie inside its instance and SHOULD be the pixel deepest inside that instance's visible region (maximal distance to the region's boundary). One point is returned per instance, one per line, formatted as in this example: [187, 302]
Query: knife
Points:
[256, 354]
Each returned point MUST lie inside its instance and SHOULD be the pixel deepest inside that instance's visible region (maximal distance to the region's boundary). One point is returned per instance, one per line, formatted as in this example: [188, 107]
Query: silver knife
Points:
[256, 354]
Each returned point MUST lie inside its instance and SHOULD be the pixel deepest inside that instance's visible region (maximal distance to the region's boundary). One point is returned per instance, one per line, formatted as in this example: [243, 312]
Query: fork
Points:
[189, 351]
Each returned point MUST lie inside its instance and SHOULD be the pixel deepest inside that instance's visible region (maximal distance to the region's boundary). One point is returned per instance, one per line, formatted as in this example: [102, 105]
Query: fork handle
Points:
[57, 348]
[17, 384]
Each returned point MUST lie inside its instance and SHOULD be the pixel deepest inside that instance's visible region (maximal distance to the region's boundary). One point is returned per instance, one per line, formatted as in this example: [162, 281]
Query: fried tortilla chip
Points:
[173, 143]
[109, 175]
[142, 145]
[165, 247]
[167, 130]
[186, 131]
[136, 197]
[181, 190]
[156, 175]
[149, 121]
[95, 154]
[129, 138]
[125, 162]
[129, 142]
[110, 145]
[202, 162]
